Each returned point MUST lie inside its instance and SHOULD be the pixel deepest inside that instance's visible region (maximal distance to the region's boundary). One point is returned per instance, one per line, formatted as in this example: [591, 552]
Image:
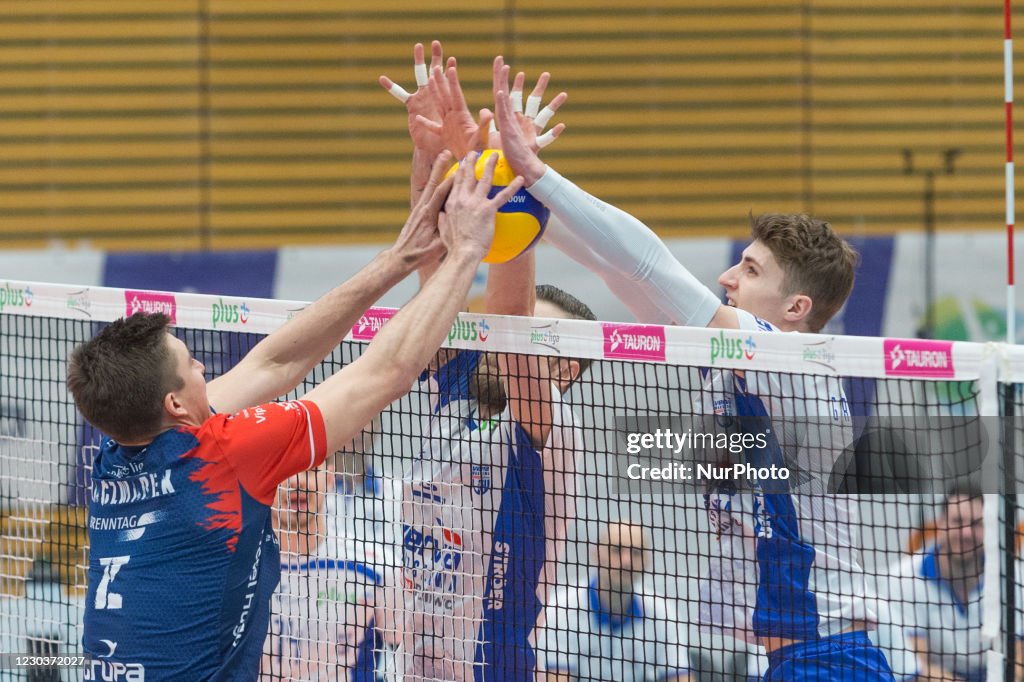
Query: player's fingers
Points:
[396, 90]
[437, 171]
[542, 119]
[483, 186]
[499, 75]
[503, 111]
[550, 136]
[439, 86]
[486, 121]
[466, 173]
[440, 193]
[430, 198]
[432, 126]
[421, 75]
[419, 68]
[502, 197]
[517, 93]
[541, 86]
[519, 82]
[455, 88]
[534, 100]
[436, 54]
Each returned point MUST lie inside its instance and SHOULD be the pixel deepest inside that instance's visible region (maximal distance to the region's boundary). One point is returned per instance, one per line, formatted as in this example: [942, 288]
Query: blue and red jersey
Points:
[183, 557]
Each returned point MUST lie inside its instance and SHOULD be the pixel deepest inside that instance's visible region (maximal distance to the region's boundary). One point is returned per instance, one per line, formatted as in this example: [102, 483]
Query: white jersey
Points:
[483, 517]
[931, 610]
[785, 556]
[327, 613]
[584, 640]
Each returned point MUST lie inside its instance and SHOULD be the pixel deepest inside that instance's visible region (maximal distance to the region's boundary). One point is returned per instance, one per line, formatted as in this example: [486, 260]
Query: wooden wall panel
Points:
[251, 123]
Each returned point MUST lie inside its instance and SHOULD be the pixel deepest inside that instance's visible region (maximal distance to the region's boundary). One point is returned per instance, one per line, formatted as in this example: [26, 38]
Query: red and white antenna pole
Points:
[1011, 303]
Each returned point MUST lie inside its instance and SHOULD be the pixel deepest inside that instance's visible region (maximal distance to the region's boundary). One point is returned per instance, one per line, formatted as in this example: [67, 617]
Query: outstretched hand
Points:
[420, 103]
[469, 215]
[533, 120]
[455, 126]
[519, 140]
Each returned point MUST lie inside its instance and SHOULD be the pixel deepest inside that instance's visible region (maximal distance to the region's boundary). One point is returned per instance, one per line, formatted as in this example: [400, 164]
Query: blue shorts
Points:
[850, 657]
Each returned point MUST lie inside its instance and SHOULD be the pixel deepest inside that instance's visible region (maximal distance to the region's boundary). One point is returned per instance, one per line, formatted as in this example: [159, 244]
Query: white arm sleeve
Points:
[632, 296]
[628, 247]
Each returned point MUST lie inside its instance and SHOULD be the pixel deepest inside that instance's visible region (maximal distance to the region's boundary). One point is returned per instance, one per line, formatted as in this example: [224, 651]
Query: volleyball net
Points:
[705, 492]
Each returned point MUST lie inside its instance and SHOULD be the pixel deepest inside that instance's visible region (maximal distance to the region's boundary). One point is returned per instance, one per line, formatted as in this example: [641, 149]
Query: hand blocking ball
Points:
[520, 222]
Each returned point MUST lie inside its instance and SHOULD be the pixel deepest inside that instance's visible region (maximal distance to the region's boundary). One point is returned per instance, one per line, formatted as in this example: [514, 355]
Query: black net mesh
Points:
[448, 541]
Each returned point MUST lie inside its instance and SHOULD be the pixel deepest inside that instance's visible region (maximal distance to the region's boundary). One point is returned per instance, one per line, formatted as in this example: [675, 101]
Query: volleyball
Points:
[520, 222]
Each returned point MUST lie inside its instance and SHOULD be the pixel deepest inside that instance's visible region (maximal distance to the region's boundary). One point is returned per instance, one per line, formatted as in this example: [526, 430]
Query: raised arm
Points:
[511, 290]
[616, 238]
[283, 359]
[420, 106]
[350, 398]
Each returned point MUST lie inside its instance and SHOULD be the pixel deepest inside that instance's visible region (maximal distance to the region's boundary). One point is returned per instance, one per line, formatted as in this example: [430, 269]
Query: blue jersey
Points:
[183, 559]
[484, 513]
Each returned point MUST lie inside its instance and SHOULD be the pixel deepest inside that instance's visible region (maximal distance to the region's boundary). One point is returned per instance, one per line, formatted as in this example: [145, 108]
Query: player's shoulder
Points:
[748, 321]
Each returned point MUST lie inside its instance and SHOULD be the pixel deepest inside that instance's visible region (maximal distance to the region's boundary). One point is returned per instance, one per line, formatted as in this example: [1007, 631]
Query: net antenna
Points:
[1011, 303]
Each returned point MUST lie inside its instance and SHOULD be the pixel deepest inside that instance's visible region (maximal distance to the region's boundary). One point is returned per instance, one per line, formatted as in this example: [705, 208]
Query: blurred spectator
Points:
[326, 612]
[610, 629]
[937, 593]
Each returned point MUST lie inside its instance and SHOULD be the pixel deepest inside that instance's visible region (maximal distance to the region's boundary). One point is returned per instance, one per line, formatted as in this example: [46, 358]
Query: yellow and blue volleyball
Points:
[520, 222]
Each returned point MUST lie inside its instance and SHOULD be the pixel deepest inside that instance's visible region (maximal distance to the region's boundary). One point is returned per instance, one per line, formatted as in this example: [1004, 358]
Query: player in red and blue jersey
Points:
[183, 557]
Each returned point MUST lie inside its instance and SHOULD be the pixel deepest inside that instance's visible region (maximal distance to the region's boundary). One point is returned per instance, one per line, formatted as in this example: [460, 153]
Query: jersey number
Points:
[105, 599]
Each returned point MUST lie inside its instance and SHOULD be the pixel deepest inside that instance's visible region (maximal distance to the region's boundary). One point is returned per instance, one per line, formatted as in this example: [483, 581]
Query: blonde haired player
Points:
[787, 572]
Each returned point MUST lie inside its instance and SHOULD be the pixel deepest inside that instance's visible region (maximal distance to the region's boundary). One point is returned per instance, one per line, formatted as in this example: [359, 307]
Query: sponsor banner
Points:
[371, 322]
[469, 329]
[821, 354]
[150, 302]
[919, 358]
[715, 348]
[634, 342]
[15, 295]
[737, 346]
[229, 313]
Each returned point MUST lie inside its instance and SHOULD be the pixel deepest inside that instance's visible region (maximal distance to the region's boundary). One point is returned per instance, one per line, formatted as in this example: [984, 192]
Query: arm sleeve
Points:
[628, 247]
[632, 296]
[269, 443]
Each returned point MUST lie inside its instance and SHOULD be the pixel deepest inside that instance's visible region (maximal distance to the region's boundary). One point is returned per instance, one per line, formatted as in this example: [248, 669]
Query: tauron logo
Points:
[150, 302]
[919, 358]
[634, 342]
[371, 322]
